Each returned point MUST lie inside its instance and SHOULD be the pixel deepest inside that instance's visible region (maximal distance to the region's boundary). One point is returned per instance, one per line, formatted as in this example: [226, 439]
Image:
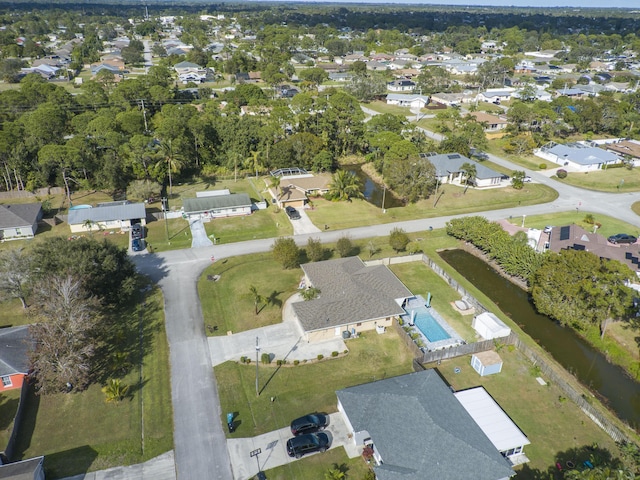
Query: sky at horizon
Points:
[635, 4]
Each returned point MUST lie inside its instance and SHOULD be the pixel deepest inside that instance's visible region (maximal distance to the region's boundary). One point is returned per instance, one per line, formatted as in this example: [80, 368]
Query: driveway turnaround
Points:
[274, 447]
[199, 234]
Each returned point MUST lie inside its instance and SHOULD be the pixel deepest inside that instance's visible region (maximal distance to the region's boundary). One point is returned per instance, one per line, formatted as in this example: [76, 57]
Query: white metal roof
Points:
[503, 433]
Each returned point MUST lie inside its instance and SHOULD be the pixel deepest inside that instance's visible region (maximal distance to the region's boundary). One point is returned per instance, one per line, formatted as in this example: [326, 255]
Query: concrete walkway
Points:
[199, 234]
[160, 468]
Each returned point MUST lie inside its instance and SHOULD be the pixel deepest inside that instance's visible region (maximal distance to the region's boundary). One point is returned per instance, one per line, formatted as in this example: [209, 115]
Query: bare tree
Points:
[65, 335]
[15, 278]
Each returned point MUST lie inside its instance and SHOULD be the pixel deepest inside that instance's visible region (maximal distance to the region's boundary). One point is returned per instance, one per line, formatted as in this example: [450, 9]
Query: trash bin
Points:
[230, 424]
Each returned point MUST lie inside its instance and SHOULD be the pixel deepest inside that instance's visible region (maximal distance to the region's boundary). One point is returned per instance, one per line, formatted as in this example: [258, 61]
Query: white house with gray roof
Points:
[353, 298]
[449, 170]
[19, 221]
[407, 100]
[107, 216]
[579, 156]
[218, 206]
[418, 429]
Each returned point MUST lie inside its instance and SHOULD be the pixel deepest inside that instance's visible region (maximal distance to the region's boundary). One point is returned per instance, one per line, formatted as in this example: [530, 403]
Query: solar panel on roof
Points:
[453, 157]
[564, 233]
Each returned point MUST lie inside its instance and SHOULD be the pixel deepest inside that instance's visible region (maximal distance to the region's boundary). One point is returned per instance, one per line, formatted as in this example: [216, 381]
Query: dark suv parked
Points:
[309, 443]
[309, 423]
[292, 213]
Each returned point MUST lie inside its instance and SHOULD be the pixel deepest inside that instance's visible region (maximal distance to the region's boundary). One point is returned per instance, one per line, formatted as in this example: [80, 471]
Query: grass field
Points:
[8, 408]
[614, 180]
[315, 467]
[79, 431]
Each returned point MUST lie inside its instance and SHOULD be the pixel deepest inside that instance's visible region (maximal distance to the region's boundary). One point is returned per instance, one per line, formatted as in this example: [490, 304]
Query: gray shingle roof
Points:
[106, 213]
[447, 163]
[583, 154]
[19, 215]
[14, 345]
[23, 470]
[203, 204]
[350, 292]
[421, 430]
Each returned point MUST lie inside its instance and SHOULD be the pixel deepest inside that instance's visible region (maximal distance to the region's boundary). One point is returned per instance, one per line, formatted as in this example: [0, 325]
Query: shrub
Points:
[296, 362]
[320, 356]
[286, 252]
[280, 362]
[334, 354]
[398, 239]
[562, 173]
[345, 351]
[265, 358]
[344, 246]
[243, 359]
[542, 166]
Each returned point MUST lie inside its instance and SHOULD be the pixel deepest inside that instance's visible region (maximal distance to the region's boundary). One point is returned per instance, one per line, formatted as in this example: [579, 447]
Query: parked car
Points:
[527, 179]
[622, 238]
[292, 213]
[308, 443]
[309, 423]
[136, 245]
[548, 229]
[136, 231]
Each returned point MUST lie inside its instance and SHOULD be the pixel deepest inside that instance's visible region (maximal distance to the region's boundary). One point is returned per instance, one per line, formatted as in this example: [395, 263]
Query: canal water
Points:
[619, 391]
[373, 192]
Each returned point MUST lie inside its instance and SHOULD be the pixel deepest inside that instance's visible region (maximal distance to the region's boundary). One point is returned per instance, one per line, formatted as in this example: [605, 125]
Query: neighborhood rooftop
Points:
[19, 215]
[107, 212]
[447, 163]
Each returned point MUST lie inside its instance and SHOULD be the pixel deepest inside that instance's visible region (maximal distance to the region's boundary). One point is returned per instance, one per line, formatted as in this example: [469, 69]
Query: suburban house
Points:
[580, 156]
[296, 186]
[493, 123]
[353, 298]
[31, 469]
[496, 95]
[452, 99]
[626, 149]
[576, 238]
[449, 170]
[217, 206]
[106, 216]
[19, 221]
[14, 360]
[417, 428]
[407, 100]
[190, 72]
[401, 86]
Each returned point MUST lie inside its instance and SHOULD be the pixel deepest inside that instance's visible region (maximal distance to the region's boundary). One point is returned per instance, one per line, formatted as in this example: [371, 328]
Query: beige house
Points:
[353, 298]
[493, 123]
[295, 190]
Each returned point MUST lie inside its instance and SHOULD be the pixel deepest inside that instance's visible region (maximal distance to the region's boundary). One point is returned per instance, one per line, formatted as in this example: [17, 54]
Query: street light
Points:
[257, 353]
[384, 194]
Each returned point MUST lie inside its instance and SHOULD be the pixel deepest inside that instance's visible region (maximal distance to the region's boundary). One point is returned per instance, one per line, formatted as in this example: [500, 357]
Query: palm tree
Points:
[114, 390]
[345, 186]
[274, 182]
[173, 159]
[310, 293]
[257, 298]
[470, 173]
[336, 472]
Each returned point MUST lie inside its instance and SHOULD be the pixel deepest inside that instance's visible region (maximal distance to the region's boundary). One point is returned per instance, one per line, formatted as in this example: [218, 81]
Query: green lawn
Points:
[339, 215]
[308, 386]
[8, 407]
[552, 423]
[314, 467]
[227, 302]
[615, 180]
[80, 431]
[383, 107]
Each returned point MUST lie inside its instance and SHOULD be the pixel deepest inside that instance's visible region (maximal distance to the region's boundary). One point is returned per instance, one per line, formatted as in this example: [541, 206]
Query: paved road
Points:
[200, 446]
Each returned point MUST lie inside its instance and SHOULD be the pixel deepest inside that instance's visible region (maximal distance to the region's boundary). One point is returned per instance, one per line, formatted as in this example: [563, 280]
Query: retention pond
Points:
[615, 387]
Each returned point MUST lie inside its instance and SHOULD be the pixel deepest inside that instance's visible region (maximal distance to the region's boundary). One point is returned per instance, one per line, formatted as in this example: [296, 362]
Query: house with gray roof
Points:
[449, 170]
[353, 297]
[14, 359]
[106, 216]
[418, 429]
[19, 221]
[580, 156]
[407, 100]
[217, 206]
[30, 469]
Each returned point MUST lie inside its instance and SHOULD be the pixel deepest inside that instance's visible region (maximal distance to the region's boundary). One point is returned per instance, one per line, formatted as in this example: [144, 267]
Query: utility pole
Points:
[144, 115]
[165, 208]
[257, 353]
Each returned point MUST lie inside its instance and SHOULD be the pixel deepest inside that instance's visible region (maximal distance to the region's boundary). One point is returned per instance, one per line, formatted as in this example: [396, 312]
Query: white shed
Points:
[486, 363]
[489, 326]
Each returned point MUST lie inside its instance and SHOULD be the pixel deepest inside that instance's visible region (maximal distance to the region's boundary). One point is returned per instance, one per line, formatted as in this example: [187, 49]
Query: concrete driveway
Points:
[199, 234]
[303, 224]
[274, 447]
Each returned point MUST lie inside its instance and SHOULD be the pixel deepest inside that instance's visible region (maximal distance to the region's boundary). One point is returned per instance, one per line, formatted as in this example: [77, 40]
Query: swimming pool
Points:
[429, 326]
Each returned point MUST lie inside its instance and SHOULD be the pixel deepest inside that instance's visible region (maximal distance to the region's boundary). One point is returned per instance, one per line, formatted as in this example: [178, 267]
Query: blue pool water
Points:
[429, 326]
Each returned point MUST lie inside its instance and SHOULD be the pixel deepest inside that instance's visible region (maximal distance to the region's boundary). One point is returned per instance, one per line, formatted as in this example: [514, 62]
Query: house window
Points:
[6, 381]
[18, 231]
[358, 324]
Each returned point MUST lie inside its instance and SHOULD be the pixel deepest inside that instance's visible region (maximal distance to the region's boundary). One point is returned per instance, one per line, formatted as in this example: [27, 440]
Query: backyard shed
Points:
[489, 326]
[486, 363]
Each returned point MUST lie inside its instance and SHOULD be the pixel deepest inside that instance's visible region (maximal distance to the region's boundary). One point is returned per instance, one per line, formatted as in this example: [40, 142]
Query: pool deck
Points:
[417, 302]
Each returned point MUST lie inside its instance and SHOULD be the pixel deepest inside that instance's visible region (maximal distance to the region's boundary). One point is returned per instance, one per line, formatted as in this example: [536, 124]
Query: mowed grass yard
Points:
[357, 213]
[80, 432]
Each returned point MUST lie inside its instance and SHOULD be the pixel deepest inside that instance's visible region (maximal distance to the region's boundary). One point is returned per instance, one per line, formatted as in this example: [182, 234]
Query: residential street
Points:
[200, 444]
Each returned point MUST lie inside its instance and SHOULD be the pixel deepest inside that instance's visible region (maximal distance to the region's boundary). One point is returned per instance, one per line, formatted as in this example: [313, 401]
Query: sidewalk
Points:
[160, 468]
